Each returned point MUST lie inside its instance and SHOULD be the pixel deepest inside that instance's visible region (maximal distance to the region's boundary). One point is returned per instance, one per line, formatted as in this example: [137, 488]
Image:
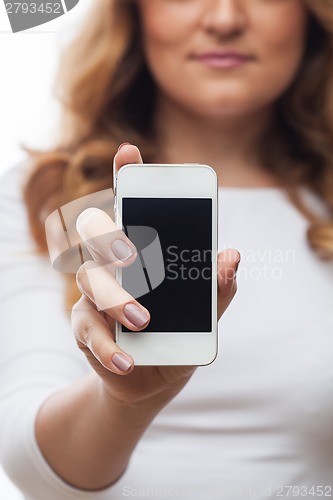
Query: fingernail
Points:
[135, 315]
[121, 250]
[121, 362]
[123, 144]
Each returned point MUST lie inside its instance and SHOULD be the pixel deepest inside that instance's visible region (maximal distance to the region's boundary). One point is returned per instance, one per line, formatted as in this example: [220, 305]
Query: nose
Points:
[224, 17]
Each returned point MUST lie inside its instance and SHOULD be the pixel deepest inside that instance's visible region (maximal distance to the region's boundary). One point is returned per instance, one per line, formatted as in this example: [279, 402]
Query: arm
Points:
[38, 357]
[88, 436]
[64, 426]
[88, 431]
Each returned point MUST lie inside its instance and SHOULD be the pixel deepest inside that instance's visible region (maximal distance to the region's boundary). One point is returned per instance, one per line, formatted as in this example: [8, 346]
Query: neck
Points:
[229, 145]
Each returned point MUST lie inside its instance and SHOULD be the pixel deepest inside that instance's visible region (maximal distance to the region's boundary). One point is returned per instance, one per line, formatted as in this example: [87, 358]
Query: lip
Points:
[223, 59]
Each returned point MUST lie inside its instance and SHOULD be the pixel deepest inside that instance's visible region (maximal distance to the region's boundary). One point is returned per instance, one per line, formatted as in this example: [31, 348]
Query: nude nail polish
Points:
[121, 250]
[135, 315]
[121, 362]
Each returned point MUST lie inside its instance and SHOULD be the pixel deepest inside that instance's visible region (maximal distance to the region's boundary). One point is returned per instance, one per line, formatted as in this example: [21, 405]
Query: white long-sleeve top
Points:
[252, 424]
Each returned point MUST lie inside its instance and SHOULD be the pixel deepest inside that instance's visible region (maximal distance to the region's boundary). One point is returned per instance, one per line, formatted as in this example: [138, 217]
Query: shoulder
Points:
[14, 229]
[11, 185]
[11, 182]
[315, 203]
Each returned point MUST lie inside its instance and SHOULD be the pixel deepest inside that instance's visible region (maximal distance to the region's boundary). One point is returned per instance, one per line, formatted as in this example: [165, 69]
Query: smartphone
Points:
[169, 212]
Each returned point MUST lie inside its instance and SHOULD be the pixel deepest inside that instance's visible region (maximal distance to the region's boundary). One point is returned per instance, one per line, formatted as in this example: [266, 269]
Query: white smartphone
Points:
[170, 212]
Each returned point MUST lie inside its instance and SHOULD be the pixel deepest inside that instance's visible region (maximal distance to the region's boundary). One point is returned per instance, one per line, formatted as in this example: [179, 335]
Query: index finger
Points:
[103, 238]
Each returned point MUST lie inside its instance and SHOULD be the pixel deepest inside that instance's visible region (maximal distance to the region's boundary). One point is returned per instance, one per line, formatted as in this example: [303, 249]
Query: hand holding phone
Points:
[170, 213]
[95, 329]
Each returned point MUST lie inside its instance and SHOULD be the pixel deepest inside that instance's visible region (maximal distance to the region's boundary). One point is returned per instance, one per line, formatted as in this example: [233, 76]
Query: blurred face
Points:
[223, 57]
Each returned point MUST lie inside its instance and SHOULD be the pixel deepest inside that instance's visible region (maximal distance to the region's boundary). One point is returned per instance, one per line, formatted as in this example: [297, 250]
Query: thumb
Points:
[227, 265]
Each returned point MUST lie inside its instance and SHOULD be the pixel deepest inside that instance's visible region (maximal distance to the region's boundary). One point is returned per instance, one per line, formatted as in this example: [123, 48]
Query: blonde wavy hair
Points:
[108, 94]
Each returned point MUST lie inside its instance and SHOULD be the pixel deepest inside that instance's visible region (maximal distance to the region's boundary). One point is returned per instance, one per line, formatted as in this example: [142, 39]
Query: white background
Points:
[28, 110]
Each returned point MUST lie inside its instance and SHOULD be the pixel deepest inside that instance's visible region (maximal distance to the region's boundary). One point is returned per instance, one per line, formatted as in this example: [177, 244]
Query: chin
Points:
[220, 109]
[224, 99]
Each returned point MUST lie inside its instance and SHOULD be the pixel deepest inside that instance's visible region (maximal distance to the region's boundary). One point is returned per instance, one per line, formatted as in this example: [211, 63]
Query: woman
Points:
[242, 85]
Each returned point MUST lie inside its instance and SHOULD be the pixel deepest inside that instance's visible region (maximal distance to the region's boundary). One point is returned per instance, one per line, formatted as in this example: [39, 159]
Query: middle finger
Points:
[98, 284]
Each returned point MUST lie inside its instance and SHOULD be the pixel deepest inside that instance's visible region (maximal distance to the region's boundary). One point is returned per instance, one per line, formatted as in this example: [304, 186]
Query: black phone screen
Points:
[172, 274]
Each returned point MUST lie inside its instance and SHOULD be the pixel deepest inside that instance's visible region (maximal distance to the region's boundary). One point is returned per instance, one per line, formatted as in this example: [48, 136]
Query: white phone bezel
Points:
[154, 180]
